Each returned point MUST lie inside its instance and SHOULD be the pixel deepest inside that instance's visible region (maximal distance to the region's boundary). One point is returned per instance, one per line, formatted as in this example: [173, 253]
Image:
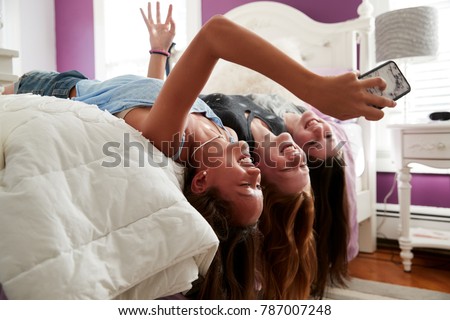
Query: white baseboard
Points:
[421, 216]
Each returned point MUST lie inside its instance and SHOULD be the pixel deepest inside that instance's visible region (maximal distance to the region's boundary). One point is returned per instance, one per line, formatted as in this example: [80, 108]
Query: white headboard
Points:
[325, 48]
[325, 45]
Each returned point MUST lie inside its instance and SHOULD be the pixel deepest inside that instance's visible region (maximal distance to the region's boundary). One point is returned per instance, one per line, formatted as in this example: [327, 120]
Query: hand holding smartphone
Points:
[397, 85]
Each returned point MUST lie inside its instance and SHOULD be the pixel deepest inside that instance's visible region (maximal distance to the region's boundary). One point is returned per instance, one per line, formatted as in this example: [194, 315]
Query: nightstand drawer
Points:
[427, 146]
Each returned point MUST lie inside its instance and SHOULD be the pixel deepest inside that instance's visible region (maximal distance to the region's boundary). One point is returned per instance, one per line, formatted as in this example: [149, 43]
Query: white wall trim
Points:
[435, 213]
[194, 12]
[99, 38]
[421, 217]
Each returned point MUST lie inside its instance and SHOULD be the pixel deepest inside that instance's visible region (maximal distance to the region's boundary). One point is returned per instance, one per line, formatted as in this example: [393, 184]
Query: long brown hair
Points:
[235, 272]
[331, 224]
[289, 246]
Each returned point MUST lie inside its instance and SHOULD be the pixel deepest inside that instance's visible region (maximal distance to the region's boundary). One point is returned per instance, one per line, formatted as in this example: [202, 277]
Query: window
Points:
[432, 79]
[429, 80]
[121, 37]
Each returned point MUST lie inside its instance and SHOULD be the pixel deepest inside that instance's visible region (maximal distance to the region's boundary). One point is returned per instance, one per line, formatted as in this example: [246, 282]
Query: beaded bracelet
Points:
[161, 52]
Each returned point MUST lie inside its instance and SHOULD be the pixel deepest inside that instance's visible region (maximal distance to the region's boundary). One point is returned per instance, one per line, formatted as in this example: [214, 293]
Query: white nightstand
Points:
[427, 144]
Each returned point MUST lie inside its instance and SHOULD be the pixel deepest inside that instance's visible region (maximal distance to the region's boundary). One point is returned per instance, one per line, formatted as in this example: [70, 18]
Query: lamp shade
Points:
[405, 33]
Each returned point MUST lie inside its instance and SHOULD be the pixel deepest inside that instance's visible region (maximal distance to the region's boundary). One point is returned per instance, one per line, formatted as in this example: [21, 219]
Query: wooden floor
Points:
[430, 269]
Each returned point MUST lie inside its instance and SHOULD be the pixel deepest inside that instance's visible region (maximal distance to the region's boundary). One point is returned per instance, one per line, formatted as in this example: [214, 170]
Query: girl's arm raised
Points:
[161, 37]
[342, 96]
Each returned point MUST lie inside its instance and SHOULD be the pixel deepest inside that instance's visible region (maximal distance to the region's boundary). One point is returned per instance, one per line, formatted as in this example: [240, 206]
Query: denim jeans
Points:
[49, 83]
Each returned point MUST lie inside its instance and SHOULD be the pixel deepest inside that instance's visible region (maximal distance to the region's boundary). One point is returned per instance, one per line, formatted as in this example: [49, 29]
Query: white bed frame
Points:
[346, 45]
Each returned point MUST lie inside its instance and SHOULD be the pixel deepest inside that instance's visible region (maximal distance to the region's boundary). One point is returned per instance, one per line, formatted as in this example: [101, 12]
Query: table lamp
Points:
[407, 33]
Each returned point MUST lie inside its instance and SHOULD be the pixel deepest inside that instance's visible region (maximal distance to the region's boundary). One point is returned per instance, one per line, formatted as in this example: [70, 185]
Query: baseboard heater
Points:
[421, 216]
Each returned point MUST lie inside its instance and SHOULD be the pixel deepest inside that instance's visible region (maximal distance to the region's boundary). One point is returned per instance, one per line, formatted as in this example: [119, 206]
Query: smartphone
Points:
[397, 85]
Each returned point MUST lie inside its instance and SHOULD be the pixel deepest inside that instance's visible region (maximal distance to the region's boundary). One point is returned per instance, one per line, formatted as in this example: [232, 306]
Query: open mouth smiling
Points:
[288, 148]
[311, 123]
[246, 161]
[291, 151]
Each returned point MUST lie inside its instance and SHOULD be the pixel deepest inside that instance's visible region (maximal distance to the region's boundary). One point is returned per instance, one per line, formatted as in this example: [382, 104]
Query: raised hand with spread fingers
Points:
[161, 37]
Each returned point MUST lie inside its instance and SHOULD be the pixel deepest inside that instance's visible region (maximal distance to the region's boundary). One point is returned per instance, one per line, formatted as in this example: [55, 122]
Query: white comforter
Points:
[77, 221]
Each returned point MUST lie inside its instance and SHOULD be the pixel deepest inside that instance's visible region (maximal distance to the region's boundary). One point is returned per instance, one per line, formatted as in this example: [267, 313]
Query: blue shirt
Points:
[129, 91]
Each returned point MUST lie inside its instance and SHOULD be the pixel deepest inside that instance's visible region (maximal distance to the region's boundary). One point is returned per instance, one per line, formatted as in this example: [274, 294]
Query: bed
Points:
[327, 49]
[90, 210]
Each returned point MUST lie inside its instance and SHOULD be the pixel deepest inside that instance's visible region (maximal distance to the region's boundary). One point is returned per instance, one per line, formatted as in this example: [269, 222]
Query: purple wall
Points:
[421, 193]
[75, 36]
[320, 10]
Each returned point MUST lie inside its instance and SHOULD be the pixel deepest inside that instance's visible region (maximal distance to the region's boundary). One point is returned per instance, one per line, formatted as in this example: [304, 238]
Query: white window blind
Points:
[430, 80]
[430, 83]
[121, 37]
